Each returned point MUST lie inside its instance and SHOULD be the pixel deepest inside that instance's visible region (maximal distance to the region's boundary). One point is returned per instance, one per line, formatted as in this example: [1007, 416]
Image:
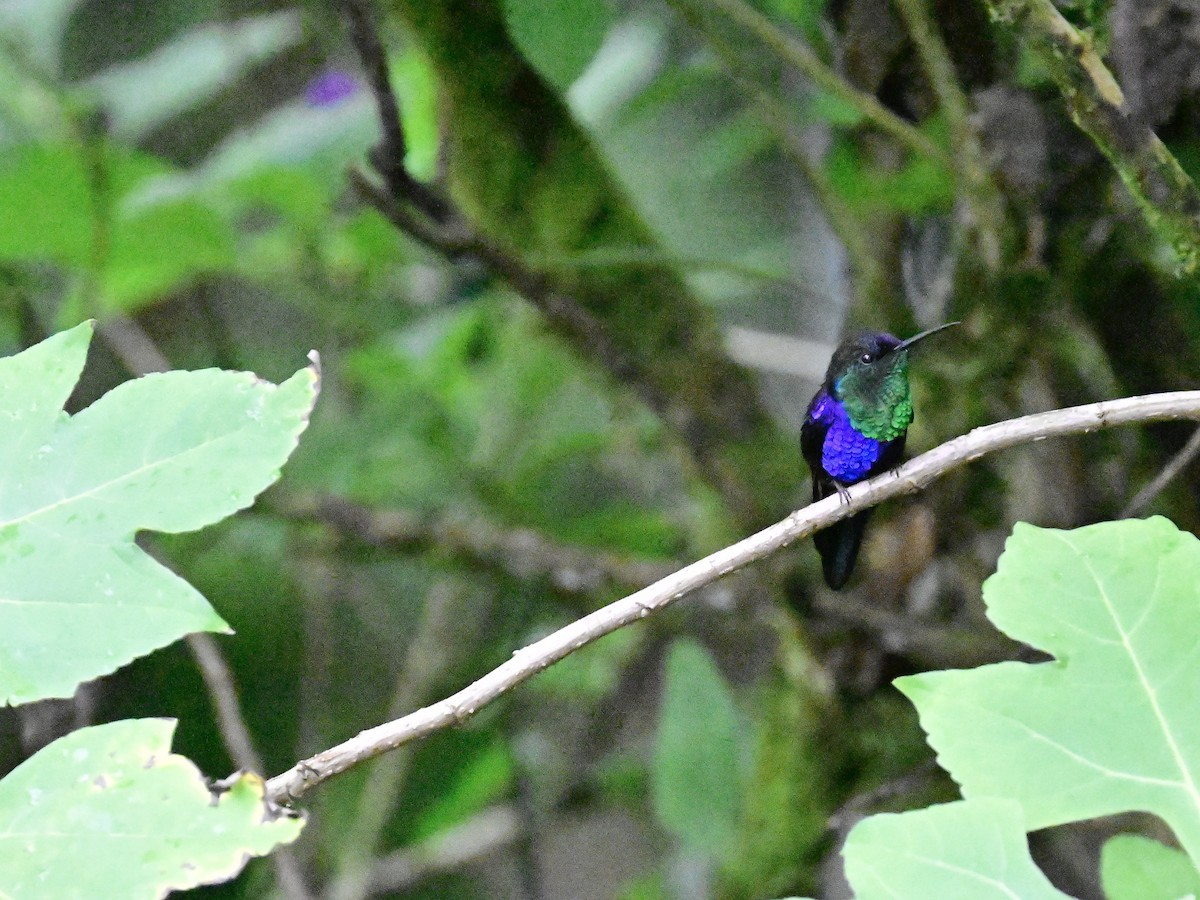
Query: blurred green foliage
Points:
[177, 170]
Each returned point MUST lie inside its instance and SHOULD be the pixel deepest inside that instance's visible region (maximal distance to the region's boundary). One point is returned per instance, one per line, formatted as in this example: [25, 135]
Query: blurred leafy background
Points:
[672, 209]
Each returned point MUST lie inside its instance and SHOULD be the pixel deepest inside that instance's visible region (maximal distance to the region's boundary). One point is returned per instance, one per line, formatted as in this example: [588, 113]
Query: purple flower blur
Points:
[330, 88]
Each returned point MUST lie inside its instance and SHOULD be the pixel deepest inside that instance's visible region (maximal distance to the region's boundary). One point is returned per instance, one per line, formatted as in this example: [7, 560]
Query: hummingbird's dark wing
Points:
[812, 442]
[838, 544]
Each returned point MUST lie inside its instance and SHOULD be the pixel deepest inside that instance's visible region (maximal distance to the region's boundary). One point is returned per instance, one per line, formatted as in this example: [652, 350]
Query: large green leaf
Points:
[1111, 724]
[169, 452]
[697, 777]
[109, 811]
[972, 849]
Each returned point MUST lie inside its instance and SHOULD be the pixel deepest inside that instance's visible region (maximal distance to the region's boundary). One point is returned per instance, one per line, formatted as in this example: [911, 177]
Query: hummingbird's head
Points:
[869, 376]
[863, 363]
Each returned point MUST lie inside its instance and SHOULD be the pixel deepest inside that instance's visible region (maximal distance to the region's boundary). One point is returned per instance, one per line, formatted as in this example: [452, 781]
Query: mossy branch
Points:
[1166, 195]
[524, 183]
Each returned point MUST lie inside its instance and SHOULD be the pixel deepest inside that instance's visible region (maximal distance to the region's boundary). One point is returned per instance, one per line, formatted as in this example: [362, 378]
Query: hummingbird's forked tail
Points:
[838, 545]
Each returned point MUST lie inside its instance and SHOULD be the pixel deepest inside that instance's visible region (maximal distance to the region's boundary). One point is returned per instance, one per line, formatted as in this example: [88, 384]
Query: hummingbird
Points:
[855, 428]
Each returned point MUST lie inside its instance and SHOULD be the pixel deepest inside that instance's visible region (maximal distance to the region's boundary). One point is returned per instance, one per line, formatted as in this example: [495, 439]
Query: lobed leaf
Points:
[169, 452]
[1133, 867]
[1110, 724]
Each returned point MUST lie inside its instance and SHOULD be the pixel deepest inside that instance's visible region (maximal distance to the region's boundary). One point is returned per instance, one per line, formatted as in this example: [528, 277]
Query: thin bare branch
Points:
[518, 552]
[223, 692]
[236, 736]
[388, 157]
[909, 478]
[477, 837]
[1169, 473]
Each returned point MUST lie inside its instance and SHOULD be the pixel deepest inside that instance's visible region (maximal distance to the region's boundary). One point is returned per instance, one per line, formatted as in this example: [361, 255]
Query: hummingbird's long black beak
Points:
[905, 345]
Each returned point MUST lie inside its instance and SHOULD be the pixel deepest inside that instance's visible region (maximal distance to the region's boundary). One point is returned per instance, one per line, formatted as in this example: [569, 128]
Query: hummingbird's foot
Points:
[843, 493]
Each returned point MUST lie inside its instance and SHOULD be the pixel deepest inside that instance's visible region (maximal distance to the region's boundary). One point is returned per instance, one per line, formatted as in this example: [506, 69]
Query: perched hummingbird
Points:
[855, 428]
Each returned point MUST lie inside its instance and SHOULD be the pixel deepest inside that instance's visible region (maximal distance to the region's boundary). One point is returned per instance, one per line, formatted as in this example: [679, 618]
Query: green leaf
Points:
[416, 86]
[806, 15]
[483, 781]
[697, 776]
[920, 185]
[291, 134]
[833, 109]
[1133, 867]
[558, 37]
[161, 247]
[137, 246]
[109, 811]
[1110, 725]
[45, 198]
[972, 848]
[168, 452]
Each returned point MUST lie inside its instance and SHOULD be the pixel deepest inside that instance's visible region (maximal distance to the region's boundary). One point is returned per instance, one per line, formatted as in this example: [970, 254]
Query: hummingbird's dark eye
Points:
[866, 358]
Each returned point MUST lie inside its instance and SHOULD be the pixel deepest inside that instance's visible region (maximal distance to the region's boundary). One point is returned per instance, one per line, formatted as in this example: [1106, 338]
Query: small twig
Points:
[223, 692]
[799, 55]
[240, 746]
[374, 60]
[1169, 473]
[388, 157]
[982, 196]
[477, 837]
[909, 478]
[132, 346]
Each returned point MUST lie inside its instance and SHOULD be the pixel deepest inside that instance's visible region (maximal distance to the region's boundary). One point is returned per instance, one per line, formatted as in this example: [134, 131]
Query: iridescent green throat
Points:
[878, 403]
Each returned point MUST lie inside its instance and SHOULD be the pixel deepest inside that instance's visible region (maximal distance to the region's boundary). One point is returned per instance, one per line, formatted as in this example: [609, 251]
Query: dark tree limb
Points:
[524, 183]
